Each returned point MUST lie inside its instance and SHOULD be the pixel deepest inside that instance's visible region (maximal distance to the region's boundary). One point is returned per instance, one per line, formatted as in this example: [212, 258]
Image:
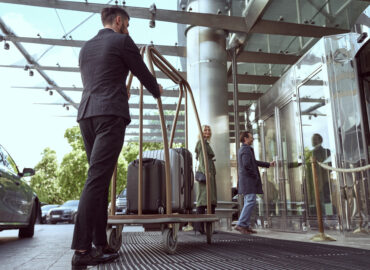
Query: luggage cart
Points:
[169, 222]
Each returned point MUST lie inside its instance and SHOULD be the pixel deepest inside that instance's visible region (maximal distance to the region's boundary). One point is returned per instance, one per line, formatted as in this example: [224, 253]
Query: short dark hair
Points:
[244, 134]
[108, 14]
[318, 136]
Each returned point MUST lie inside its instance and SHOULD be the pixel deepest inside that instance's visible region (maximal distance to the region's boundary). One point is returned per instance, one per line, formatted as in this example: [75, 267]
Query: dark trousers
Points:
[103, 138]
[199, 226]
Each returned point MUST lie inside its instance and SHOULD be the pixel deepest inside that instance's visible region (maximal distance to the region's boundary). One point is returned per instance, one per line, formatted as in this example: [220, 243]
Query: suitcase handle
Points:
[145, 161]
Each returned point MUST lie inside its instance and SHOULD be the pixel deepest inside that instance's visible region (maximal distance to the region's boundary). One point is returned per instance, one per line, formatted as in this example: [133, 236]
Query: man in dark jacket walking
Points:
[249, 181]
[103, 115]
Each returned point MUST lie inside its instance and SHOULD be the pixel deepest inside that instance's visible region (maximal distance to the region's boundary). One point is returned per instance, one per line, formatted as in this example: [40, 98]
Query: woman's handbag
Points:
[199, 176]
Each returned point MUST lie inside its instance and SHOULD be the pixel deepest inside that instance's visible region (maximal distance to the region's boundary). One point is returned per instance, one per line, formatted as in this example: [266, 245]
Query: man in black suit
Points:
[103, 115]
[250, 183]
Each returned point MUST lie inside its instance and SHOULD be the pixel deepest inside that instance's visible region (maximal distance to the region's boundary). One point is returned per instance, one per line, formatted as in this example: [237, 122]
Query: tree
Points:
[73, 169]
[131, 150]
[44, 182]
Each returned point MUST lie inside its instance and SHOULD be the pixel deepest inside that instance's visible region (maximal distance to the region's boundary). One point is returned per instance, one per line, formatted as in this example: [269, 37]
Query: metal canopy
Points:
[165, 50]
[270, 35]
[218, 21]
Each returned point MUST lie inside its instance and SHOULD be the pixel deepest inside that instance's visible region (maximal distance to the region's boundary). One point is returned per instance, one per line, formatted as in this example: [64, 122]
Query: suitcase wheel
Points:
[169, 240]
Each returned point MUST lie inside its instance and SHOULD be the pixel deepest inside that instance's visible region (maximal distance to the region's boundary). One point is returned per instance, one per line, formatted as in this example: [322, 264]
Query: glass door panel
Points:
[271, 184]
[291, 166]
[314, 110]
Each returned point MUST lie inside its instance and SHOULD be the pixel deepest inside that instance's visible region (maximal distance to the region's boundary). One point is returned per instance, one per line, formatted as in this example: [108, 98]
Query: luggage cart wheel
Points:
[209, 232]
[169, 241]
[114, 237]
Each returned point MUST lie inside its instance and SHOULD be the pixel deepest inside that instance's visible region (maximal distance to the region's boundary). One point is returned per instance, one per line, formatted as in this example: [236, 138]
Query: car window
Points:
[122, 194]
[7, 161]
[47, 207]
[71, 203]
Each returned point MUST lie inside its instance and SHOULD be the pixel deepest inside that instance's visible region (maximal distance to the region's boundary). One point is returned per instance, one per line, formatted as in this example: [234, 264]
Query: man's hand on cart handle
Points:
[159, 86]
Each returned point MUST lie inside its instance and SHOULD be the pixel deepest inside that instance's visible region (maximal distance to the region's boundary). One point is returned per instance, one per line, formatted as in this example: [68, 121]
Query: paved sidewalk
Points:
[50, 248]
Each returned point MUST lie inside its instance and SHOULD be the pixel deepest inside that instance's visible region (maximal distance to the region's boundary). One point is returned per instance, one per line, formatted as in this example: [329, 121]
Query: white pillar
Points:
[207, 76]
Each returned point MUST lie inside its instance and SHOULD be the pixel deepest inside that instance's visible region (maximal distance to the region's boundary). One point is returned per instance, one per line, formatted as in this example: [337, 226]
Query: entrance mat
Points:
[233, 251]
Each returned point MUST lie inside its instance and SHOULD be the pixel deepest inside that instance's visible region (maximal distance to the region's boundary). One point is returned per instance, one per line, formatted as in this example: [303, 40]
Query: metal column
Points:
[207, 76]
[236, 110]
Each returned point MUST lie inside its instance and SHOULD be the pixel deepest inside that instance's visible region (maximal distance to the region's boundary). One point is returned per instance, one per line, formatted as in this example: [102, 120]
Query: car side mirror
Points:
[28, 172]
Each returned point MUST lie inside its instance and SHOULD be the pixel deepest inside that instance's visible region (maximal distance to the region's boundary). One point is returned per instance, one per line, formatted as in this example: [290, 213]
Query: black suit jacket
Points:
[105, 61]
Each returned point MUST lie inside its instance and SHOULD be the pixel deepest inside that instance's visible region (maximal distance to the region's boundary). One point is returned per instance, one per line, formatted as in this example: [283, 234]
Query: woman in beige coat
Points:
[201, 186]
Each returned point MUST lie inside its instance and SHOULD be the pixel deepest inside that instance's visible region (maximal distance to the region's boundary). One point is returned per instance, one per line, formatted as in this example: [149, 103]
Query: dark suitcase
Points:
[154, 186]
[188, 183]
[182, 178]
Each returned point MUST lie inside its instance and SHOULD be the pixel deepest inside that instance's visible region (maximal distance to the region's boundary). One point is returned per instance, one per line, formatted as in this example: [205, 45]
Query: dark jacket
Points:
[249, 176]
[105, 61]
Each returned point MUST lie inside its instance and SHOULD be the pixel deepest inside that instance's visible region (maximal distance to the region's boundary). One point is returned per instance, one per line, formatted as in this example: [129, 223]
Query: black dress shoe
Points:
[105, 250]
[82, 260]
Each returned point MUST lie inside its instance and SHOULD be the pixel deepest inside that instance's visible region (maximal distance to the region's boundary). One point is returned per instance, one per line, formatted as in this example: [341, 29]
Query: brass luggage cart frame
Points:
[169, 222]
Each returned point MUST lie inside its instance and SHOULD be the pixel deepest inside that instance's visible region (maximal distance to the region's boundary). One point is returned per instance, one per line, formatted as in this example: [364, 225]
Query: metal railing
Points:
[322, 236]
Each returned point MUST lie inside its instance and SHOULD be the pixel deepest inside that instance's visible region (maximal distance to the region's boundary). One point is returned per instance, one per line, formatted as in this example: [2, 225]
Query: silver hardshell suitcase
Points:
[177, 176]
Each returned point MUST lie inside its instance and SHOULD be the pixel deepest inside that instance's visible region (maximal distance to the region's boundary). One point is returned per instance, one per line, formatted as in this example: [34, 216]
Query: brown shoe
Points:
[242, 230]
[250, 230]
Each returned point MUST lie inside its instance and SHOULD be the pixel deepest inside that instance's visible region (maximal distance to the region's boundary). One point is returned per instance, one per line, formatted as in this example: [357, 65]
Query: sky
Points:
[28, 128]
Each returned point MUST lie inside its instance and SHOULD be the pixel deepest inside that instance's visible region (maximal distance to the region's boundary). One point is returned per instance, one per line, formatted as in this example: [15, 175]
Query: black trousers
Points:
[103, 138]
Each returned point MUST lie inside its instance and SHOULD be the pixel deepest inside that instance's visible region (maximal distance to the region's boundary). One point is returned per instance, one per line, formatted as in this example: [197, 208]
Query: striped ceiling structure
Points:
[268, 36]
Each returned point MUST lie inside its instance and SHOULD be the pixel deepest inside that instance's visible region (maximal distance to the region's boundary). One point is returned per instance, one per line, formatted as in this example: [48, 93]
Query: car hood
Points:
[64, 209]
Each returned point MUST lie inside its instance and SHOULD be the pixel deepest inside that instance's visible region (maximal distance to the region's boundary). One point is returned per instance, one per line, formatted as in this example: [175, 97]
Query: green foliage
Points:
[72, 174]
[74, 138]
[73, 169]
[121, 175]
[57, 185]
[44, 182]
[131, 150]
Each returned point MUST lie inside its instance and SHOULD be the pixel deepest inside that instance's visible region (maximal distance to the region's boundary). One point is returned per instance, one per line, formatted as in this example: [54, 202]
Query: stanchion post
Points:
[360, 228]
[321, 236]
[317, 195]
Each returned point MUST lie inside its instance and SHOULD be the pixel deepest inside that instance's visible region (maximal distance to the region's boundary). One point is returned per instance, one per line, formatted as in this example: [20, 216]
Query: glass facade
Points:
[315, 118]
[318, 110]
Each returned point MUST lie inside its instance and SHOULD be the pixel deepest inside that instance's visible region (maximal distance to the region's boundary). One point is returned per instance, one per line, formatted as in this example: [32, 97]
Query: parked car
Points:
[67, 212]
[19, 205]
[121, 203]
[44, 211]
